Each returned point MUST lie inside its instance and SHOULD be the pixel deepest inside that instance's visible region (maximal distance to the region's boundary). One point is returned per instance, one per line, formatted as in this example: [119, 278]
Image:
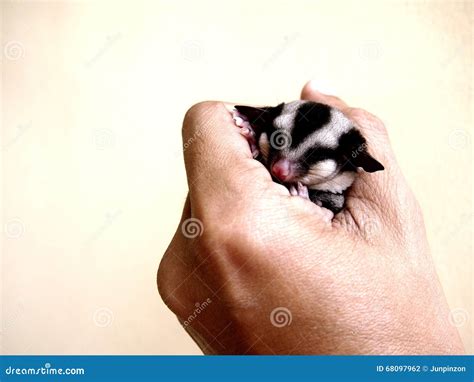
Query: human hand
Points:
[277, 277]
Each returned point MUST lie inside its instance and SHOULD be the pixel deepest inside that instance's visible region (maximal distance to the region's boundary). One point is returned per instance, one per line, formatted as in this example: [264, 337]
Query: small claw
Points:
[238, 121]
[246, 131]
[303, 191]
[293, 191]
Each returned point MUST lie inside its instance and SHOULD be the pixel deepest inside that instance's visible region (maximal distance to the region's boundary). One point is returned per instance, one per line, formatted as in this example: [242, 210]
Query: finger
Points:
[217, 157]
[310, 92]
[380, 192]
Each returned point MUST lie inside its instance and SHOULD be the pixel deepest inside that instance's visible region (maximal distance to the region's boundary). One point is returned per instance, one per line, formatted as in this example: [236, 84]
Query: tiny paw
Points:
[299, 190]
[247, 131]
[303, 191]
[293, 190]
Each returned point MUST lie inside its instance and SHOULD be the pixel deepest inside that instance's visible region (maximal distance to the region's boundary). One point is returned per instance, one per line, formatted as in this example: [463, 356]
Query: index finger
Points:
[217, 157]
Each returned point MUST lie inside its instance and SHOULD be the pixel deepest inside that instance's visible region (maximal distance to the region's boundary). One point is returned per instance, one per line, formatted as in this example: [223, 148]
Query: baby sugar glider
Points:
[309, 147]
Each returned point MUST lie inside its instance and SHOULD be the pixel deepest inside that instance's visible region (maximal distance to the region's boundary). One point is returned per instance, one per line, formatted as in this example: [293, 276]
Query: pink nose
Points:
[282, 169]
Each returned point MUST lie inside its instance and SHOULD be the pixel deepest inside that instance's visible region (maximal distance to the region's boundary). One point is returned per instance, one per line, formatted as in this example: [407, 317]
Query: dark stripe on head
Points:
[311, 116]
[314, 155]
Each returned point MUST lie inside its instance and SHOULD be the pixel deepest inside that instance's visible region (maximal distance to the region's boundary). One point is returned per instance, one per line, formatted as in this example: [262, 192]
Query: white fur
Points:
[288, 115]
[264, 145]
[337, 184]
[320, 171]
[326, 137]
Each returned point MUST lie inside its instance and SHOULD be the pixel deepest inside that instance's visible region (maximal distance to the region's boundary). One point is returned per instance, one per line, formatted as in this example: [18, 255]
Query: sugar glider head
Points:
[307, 142]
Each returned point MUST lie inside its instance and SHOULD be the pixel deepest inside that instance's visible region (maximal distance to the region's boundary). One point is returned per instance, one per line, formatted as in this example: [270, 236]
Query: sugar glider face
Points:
[308, 142]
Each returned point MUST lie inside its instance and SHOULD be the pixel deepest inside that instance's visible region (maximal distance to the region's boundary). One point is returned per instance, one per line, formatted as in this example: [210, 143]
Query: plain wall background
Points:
[93, 96]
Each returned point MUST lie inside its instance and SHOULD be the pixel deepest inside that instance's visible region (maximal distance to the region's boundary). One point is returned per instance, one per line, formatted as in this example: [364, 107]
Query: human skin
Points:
[363, 283]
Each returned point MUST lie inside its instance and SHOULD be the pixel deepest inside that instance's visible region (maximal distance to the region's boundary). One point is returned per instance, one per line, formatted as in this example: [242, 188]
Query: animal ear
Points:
[354, 153]
[367, 162]
[259, 116]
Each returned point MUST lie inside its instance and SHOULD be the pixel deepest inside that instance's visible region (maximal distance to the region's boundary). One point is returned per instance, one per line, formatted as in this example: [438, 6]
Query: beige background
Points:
[93, 95]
